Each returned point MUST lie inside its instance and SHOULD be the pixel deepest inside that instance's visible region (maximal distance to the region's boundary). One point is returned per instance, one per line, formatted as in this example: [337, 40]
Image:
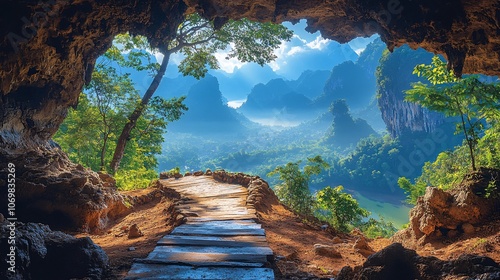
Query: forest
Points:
[354, 145]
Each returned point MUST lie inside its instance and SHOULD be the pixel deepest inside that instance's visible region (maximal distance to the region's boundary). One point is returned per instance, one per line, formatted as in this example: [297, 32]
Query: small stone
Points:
[135, 232]
[198, 173]
[131, 249]
[291, 256]
[326, 251]
[361, 246]
[468, 228]
[324, 227]
[124, 228]
[280, 258]
[2, 218]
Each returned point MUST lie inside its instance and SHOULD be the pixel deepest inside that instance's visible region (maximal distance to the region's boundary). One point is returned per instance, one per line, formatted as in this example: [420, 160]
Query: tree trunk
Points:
[469, 143]
[132, 119]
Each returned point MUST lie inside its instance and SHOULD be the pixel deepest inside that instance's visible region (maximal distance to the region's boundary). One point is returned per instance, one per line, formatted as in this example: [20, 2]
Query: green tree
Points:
[412, 191]
[198, 39]
[381, 228]
[294, 188]
[89, 132]
[340, 208]
[467, 98]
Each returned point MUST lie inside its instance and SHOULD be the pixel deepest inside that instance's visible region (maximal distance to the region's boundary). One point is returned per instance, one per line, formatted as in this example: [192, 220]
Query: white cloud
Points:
[295, 50]
[319, 43]
[159, 56]
[298, 38]
[227, 65]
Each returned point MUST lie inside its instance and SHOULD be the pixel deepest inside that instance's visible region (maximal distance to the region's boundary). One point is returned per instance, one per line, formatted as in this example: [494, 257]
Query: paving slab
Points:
[160, 272]
[224, 241]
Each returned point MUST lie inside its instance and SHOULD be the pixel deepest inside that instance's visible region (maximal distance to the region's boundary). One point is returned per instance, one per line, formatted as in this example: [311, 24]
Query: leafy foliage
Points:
[248, 41]
[294, 189]
[468, 98]
[90, 131]
[339, 208]
[377, 228]
[450, 167]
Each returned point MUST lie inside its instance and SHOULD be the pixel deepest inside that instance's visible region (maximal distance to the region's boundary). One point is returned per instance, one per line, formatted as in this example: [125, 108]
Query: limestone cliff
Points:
[393, 78]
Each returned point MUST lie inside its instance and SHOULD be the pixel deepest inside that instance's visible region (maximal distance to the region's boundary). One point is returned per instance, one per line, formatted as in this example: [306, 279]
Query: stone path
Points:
[220, 239]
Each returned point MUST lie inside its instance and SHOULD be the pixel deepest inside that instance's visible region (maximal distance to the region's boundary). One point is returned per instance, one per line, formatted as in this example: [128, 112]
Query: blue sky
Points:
[303, 44]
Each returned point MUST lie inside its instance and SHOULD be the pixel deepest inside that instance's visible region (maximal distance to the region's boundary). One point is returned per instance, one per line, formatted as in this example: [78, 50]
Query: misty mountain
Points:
[276, 100]
[370, 57]
[208, 114]
[356, 84]
[237, 85]
[324, 58]
[310, 83]
[351, 82]
[345, 130]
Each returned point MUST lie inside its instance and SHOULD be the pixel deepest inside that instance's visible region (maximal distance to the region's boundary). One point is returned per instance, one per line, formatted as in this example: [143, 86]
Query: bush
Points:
[339, 208]
[134, 179]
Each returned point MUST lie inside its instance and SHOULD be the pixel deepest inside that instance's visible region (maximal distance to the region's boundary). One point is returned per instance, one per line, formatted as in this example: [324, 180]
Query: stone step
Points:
[212, 231]
[204, 259]
[224, 241]
[159, 250]
[160, 272]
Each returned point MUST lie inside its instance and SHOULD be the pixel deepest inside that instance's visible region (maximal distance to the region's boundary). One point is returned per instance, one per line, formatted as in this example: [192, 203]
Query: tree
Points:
[468, 98]
[89, 132]
[294, 189]
[198, 39]
[110, 93]
[341, 207]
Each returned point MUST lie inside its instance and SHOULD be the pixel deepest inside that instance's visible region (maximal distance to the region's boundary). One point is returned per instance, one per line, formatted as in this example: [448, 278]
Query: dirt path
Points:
[220, 239]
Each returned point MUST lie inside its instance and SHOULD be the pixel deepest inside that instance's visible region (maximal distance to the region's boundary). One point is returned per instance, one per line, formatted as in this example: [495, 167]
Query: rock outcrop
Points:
[49, 188]
[451, 213]
[396, 262]
[45, 254]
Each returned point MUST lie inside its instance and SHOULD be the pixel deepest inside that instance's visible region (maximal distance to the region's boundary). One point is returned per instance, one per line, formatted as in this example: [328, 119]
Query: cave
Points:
[49, 48]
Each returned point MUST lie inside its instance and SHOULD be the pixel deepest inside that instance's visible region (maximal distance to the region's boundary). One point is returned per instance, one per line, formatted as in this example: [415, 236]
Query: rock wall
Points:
[395, 75]
[49, 188]
[45, 254]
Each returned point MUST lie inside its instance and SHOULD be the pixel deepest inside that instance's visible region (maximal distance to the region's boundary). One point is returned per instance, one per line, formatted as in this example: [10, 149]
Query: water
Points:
[397, 214]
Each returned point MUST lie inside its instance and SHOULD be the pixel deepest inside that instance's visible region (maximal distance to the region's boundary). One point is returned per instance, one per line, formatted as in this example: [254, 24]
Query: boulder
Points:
[53, 254]
[468, 228]
[396, 262]
[134, 232]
